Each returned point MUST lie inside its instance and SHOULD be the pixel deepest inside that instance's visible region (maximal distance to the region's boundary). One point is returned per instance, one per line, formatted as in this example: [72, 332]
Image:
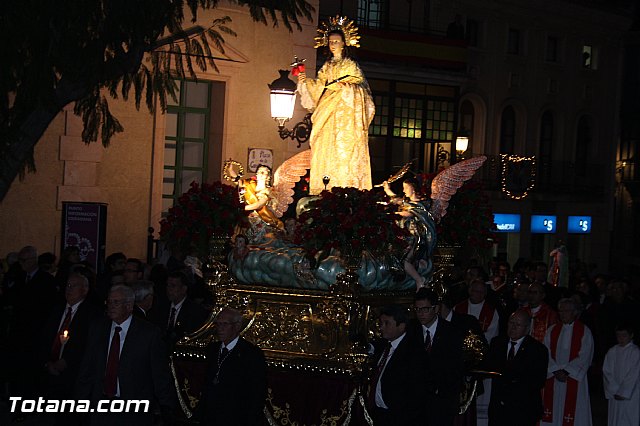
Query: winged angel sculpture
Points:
[274, 260]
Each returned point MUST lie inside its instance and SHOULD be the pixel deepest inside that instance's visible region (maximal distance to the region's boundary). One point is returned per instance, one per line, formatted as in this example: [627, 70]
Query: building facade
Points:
[535, 85]
[539, 94]
[225, 114]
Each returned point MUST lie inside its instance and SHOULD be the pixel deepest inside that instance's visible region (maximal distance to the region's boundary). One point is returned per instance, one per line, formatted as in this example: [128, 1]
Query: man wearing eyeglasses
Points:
[235, 387]
[125, 360]
[442, 355]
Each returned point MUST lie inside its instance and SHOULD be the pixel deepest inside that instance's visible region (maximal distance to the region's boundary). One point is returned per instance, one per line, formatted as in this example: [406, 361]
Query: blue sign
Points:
[543, 224]
[507, 222]
[579, 225]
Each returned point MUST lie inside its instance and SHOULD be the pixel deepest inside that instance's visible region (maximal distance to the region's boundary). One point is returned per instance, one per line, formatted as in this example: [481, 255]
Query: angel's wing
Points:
[448, 181]
[286, 177]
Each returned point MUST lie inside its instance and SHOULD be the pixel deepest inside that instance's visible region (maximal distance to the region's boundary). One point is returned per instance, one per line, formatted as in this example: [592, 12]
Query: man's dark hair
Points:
[427, 294]
[477, 272]
[625, 326]
[398, 313]
[138, 262]
[47, 258]
[180, 275]
[448, 300]
[113, 258]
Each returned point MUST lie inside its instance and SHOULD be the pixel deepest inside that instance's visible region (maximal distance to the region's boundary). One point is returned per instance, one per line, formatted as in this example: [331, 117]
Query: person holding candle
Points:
[64, 339]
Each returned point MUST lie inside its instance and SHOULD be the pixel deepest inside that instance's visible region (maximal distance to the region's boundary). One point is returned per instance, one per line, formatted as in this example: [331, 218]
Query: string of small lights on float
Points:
[512, 158]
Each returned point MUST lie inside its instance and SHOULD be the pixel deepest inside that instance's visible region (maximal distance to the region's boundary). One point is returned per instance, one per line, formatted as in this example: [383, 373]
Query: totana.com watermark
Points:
[42, 405]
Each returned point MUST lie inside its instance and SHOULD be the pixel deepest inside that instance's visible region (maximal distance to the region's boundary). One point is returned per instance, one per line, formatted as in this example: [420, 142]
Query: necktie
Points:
[223, 354]
[427, 341]
[57, 344]
[221, 357]
[111, 373]
[376, 376]
[512, 351]
[172, 319]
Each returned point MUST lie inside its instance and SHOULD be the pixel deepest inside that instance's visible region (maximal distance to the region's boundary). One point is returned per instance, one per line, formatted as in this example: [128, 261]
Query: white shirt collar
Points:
[125, 325]
[232, 344]
[396, 342]
[449, 315]
[517, 346]
[432, 329]
[74, 308]
[179, 304]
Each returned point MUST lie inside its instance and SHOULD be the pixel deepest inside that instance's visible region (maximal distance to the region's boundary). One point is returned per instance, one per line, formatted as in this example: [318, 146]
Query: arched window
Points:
[546, 146]
[466, 123]
[507, 130]
[584, 138]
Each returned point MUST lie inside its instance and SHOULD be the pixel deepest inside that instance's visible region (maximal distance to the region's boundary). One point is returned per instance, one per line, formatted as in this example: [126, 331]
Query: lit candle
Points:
[64, 337]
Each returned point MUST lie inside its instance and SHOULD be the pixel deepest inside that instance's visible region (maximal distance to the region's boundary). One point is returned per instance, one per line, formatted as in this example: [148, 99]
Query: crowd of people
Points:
[549, 349]
[69, 333]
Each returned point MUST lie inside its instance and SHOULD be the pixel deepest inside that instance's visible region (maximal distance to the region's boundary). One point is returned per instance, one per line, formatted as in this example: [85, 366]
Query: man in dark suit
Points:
[522, 362]
[470, 327]
[397, 387]
[126, 360]
[61, 353]
[236, 383]
[33, 297]
[181, 315]
[463, 322]
[442, 355]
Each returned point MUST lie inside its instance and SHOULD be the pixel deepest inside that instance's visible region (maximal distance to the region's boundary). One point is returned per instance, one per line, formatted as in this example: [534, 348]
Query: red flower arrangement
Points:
[199, 214]
[469, 219]
[351, 221]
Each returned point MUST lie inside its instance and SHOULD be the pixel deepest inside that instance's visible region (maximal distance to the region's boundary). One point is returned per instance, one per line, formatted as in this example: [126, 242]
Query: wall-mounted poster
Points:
[84, 225]
[258, 156]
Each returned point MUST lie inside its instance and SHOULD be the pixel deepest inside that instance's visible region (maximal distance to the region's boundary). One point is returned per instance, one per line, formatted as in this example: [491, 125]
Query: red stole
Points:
[541, 321]
[571, 396]
[486, 313]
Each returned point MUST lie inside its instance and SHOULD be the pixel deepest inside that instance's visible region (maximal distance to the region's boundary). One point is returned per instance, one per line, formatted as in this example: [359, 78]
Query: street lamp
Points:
[283, 100]
[462, 142]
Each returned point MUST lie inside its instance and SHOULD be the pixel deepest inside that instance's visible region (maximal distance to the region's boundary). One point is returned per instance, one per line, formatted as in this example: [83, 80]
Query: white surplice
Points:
[577, 369]
[621, 371]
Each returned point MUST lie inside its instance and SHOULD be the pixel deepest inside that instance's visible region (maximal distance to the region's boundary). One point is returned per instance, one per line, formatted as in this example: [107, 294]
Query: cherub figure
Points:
[267, 196]
[419, 214]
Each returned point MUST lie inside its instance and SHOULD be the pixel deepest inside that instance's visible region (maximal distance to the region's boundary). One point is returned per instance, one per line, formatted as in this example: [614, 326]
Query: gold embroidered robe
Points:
[342, 114]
